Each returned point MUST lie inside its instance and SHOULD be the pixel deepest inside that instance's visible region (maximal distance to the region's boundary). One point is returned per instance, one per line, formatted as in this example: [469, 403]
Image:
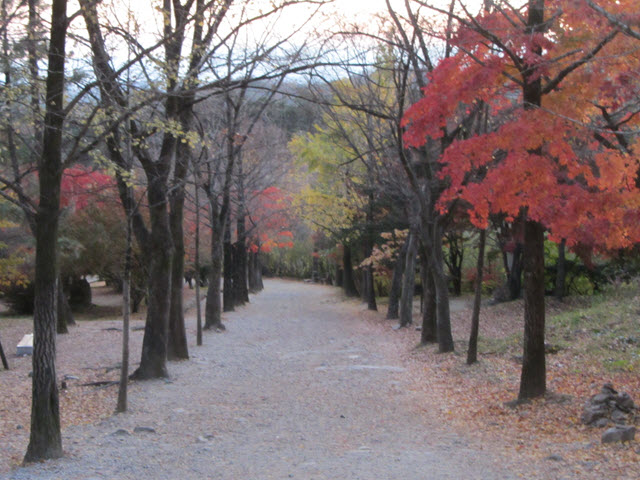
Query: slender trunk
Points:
[408, 282]
[213, 306]
[197, 267]
[5, 364]
[177, 348]
[364, 284]
[561, 272]
[393, 310]
[126, 314]
[445, 338]
[240, 263]
[349, 285]
[455, 257]
[240, 290]
[258, 271]
[255, 272]
[472, 352]
[251, 274]
[45, 440]
[227, 292]
[65, 315]
[429, 332]
[371, 297]
[369, 283]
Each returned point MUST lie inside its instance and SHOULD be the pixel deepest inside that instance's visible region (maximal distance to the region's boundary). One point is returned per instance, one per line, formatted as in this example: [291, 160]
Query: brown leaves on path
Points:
[541, 439]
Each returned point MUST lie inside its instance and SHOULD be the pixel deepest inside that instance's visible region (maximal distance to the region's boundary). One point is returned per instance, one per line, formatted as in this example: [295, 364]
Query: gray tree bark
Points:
[45, 440]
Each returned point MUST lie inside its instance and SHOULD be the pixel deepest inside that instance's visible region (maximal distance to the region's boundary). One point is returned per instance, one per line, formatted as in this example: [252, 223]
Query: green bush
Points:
[18, 296]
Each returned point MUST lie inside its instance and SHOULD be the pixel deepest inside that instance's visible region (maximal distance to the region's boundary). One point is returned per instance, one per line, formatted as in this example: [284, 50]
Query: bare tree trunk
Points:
[240, 290]
[393, 310]
[126, 314]
[65, 315]
[514, 280]
[533, 375]
[371, 289]
[153, 362]
[258, 272]
[561, 272]
[5, 364]
[255, 272]
[408, 282]
[228, 303]
[429, 332]
[197, 267]
[177, 348]
[240, 258]
[445, 339]
[472, 352]
[45, 440]
[349, 285]
[213, 306]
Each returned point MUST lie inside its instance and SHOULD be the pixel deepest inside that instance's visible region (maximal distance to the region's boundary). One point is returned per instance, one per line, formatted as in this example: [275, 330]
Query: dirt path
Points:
[298, 387]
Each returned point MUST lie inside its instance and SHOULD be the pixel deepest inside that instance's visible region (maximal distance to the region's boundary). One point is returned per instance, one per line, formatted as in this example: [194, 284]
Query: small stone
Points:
[619, 433]
[555, 457]
[618, 416]
[625, 402]
[144, 430]
[592, 413]
[19, 427]
[601, 398]
[601, 422]
[121, 432]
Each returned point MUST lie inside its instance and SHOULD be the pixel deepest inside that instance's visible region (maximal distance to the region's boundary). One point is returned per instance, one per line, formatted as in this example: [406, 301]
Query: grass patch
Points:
[606, 328]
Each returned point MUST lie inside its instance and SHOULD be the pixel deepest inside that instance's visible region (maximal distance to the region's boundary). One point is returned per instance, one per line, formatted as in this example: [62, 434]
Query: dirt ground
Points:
[303, 384]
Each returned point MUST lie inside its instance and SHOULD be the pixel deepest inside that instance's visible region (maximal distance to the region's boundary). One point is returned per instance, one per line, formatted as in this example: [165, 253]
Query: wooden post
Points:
[4, 359]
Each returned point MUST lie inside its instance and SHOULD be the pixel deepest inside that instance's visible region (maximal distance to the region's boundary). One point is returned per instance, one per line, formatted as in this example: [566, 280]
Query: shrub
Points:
[18, 296]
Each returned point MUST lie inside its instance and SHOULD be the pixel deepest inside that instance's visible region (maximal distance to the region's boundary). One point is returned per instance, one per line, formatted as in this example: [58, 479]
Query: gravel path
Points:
[297, 387]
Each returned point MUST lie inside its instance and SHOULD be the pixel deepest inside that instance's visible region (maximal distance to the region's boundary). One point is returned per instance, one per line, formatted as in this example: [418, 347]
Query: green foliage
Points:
[581, 279]
[295, 262]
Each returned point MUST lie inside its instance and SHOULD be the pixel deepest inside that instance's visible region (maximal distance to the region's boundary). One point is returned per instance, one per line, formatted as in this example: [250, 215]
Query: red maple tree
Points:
[556, 148]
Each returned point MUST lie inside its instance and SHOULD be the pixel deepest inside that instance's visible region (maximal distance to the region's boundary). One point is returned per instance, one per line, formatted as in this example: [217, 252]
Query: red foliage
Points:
[81, 186]
[271, 219]
[547, 164]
